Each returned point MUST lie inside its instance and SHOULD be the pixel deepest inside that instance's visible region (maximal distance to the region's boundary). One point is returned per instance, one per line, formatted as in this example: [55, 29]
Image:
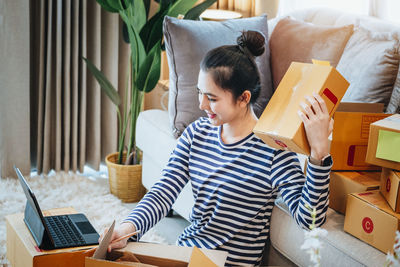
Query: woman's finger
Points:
[321, 102]
[314, 104]
[307, 110]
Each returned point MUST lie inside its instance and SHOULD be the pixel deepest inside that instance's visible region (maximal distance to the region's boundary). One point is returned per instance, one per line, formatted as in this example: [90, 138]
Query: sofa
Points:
[368, 43]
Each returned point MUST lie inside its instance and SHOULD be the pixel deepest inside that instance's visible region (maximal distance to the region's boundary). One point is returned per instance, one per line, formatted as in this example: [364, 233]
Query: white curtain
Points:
[383, 9]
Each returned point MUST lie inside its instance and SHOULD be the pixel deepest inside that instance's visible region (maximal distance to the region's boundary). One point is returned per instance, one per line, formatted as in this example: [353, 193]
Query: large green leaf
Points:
[149, 71]
[180, 7]
[154, 23]
[105, 84]
[104, 4]
[138, 14]
[115, 4]
[137, 49]
[195, 12]
[147, 6]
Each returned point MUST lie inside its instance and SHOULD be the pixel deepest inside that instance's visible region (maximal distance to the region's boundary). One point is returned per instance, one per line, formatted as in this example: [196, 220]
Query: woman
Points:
[234, 175]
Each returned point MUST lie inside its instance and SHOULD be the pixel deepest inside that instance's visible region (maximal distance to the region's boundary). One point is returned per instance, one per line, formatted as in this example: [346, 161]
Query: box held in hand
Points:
[280, 125]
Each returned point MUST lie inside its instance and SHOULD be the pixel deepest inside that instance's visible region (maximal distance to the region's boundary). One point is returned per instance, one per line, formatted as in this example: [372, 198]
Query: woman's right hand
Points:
[121, 230]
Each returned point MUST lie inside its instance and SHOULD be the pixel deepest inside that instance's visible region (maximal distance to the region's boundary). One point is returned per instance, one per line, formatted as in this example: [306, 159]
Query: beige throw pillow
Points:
[370, 62]
[298, 41]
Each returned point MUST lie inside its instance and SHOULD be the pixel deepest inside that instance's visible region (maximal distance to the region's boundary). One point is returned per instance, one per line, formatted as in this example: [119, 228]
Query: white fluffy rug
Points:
[87, 196]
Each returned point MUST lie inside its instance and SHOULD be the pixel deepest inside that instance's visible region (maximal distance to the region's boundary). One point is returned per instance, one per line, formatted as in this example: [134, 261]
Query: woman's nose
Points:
[203, 102]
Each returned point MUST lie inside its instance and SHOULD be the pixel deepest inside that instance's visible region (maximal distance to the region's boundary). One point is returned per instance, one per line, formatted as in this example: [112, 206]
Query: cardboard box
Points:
[369, 218]
[344, 183]
[384, 143]
[22, 250]
[350, 135]
[160, 255]
[280, 125]
[390, 188]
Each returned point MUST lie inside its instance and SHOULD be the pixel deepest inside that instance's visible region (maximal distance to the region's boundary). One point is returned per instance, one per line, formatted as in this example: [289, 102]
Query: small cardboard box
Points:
[150, 254]
[369, 218]
[22, 251]
[350, 135]
[390, 188]
[384, 143]
[280, 125]
[343, 183]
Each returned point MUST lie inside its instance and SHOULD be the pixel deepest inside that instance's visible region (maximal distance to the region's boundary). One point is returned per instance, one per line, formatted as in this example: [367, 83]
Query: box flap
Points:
[360, 107]
[378, 202]
[199, 259]
[320, 62]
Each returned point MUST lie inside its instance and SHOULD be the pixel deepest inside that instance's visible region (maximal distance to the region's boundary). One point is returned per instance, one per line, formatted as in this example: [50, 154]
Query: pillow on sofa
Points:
[370, 62]
[394, 103]
[299, 41]
[186, 42]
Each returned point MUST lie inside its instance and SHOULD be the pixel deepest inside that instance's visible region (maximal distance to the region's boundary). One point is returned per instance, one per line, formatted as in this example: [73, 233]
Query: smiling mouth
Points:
[211, 116]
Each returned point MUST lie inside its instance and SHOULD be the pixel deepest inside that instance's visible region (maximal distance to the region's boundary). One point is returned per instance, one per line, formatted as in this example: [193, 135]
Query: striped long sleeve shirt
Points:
[234, 188]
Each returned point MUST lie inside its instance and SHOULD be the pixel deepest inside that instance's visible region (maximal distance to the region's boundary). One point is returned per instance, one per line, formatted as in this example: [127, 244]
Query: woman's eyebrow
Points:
[209, 94]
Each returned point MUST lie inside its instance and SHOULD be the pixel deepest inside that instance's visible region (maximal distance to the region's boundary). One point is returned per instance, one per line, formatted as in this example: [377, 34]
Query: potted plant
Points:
[144, 34]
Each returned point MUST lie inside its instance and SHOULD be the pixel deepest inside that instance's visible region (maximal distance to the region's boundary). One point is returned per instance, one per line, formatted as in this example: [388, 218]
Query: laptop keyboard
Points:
[63, 231]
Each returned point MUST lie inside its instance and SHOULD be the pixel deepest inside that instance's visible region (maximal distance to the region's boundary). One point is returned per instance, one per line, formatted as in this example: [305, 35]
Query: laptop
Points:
[54, 232]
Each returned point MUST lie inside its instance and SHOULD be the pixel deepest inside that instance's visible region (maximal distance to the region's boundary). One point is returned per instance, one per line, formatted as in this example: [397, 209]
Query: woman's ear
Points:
[245, 98]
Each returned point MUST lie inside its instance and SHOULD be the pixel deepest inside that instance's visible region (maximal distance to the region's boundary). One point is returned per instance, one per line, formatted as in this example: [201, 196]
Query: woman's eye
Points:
[212, 99]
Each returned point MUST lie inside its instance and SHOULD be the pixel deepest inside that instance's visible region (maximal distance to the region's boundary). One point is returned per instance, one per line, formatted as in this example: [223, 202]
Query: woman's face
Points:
[217, 103]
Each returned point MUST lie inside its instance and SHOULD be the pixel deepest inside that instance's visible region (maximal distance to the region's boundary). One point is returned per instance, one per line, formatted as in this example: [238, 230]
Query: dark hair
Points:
[233, 67]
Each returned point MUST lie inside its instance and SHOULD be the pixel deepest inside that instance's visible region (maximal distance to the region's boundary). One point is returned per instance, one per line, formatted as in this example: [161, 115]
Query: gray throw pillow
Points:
[370, 62]
[186, 43]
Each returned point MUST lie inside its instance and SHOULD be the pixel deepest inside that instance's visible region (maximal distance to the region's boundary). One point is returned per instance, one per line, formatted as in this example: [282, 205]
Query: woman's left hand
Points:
[318, 125]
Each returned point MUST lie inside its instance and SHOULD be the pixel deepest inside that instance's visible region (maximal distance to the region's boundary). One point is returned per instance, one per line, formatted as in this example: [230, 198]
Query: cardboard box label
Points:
[388, 145]
[330, 100]
[368, 225]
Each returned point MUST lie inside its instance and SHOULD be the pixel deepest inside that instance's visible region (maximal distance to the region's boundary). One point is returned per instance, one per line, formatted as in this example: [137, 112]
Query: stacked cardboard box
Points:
[374, 216]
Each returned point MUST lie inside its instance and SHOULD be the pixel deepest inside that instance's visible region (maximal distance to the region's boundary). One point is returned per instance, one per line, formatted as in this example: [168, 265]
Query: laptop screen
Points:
[33, 215]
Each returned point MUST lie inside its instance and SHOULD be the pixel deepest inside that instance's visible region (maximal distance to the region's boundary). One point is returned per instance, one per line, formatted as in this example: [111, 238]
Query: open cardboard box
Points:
[22, 250]
[150, 254]
[384, 143]
[343, 183]
[369, 218]
[350, 135]
[280, 125]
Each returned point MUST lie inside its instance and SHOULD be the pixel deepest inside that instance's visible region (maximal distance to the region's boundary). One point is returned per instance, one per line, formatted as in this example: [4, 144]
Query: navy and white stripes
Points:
[234, 187]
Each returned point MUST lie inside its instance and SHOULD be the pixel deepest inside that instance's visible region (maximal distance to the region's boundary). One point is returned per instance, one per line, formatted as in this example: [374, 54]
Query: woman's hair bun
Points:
[253, 41]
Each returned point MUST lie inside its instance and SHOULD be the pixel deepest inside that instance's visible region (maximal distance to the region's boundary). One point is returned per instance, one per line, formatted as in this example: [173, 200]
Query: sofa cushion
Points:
[370, 62]
[186, 42]
[338, 248]
[394, 103]
[294, 40]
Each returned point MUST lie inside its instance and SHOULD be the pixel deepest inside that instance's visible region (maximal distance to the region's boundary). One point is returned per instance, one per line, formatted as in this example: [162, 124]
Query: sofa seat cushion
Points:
[186, 43]
[339, 248]
[294, 40]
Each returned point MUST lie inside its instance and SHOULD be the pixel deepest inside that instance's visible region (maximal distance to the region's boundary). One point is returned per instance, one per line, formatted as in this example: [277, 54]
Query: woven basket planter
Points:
[125, 180]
